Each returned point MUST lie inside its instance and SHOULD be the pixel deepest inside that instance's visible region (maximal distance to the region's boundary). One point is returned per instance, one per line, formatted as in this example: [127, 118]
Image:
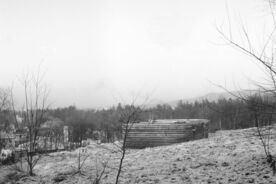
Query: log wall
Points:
[165, 132]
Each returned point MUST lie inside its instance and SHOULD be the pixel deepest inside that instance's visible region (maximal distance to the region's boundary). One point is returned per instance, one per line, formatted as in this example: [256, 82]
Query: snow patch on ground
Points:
[234, 156]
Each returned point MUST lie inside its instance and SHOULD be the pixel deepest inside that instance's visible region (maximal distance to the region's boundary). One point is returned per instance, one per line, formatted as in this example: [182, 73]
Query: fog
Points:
[98, 53]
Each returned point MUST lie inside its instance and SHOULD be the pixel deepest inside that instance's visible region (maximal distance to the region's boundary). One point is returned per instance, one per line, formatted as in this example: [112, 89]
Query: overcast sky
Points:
[96, 53]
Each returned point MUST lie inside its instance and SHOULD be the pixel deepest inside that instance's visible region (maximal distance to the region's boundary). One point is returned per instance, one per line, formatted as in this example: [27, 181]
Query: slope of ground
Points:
[225, 157]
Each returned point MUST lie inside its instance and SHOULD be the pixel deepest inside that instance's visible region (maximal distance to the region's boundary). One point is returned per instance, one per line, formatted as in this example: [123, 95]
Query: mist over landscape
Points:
[140, 91]
[94, 54]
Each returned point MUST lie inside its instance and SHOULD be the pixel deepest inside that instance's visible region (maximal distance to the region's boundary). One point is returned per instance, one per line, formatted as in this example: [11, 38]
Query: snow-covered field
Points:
[225, 157]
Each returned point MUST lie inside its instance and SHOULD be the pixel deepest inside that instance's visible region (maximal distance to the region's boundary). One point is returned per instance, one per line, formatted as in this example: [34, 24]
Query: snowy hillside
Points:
[225, 157]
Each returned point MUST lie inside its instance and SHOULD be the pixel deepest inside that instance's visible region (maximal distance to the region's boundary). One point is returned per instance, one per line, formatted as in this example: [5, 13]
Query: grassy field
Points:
[225, 157]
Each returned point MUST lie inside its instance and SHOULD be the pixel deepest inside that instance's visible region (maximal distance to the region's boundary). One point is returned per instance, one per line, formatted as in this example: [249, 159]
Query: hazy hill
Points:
[213, 97]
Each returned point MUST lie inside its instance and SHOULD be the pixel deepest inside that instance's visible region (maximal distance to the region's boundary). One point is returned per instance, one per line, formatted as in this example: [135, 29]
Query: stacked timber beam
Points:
[165, 132]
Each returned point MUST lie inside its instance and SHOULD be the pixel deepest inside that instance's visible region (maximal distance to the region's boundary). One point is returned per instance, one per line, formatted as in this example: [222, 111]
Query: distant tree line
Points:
[223, 114]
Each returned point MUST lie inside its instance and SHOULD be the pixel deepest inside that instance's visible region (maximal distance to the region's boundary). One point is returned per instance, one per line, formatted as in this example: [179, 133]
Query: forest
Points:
[224, 114]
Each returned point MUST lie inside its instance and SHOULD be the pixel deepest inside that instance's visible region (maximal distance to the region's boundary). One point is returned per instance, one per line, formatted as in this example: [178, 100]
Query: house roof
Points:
[52, 122]
[175, 121]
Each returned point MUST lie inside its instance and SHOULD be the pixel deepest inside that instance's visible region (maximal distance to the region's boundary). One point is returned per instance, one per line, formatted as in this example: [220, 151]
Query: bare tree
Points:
[263, 112]
[128, 116]
[263, 115]
[5, 103]
[100, 174]
[34, 113]
[5, 112]
[81, 158]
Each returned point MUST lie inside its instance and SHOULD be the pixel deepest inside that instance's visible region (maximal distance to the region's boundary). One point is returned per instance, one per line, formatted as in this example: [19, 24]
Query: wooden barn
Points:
[165, 132]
